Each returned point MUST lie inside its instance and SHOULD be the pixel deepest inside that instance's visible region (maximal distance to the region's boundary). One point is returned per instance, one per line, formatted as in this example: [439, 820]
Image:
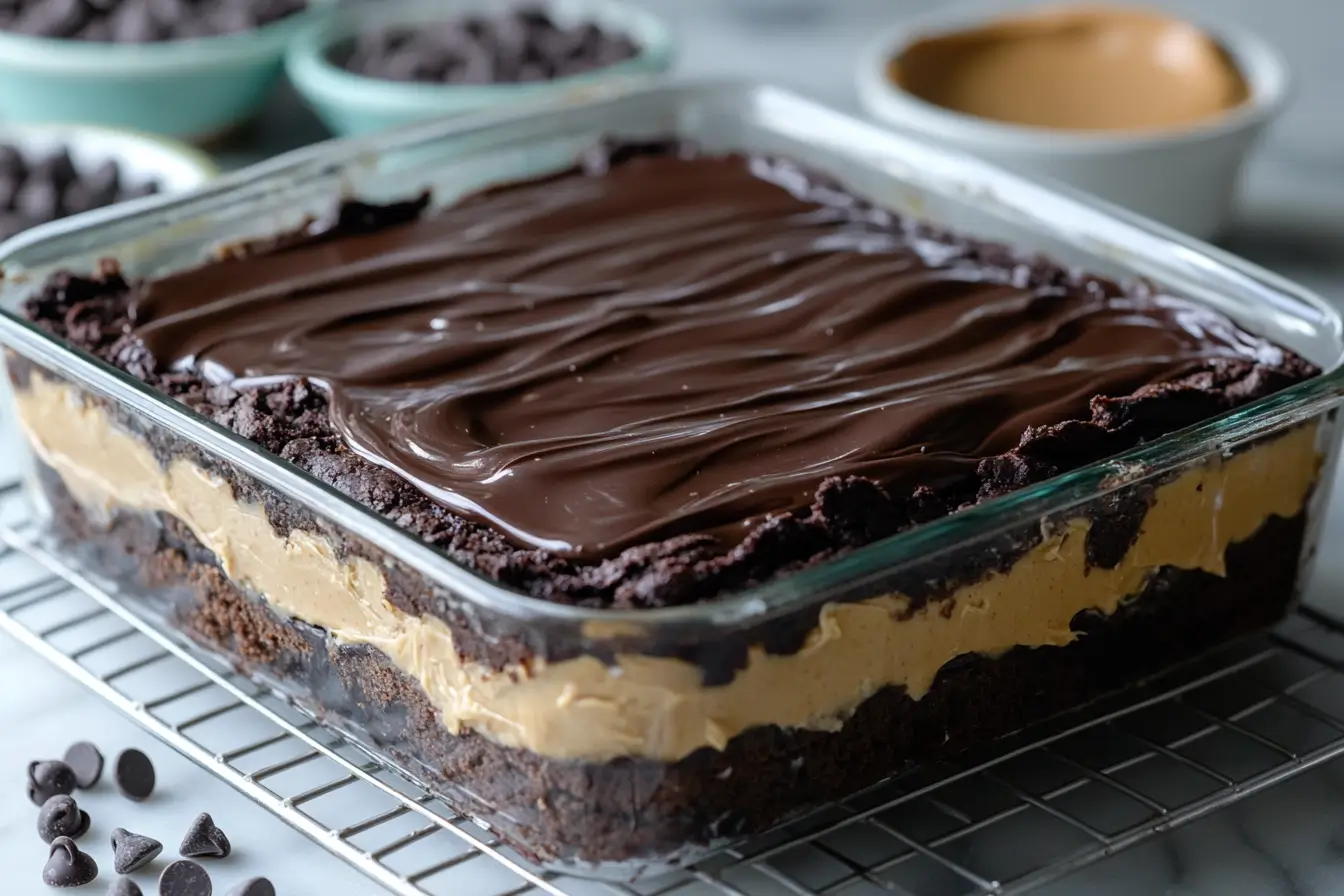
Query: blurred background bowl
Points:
[140, 160]
[350, 103]
[1184, 177]
[196, 88]
[142, 157]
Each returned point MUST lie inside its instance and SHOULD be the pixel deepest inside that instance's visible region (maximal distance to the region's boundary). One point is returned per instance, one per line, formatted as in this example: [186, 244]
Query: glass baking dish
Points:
[695, 761]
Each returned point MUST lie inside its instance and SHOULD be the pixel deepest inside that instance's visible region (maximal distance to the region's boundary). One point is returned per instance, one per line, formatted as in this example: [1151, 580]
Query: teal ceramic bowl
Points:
[354, 104]
[194, 89]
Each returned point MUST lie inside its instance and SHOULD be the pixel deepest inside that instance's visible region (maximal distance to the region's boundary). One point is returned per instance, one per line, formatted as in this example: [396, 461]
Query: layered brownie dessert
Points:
[661, 378]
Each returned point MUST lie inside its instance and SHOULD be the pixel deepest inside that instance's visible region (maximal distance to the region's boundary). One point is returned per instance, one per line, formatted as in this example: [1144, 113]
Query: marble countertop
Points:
[1284, 841]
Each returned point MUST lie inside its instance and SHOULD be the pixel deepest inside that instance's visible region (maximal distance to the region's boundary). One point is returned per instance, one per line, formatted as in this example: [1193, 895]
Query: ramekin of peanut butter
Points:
[1134, 105]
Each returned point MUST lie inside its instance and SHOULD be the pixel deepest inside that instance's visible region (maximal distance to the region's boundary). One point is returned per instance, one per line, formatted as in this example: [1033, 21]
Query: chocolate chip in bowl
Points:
[369, 66]
[141, 21]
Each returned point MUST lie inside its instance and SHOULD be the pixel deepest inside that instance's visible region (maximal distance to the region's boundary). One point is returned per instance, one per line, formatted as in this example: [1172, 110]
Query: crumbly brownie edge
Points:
[632, 810]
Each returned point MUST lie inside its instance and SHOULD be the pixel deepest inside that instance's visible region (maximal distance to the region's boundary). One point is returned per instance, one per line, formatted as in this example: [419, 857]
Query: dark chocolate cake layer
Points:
[630, 809]
[780, 375]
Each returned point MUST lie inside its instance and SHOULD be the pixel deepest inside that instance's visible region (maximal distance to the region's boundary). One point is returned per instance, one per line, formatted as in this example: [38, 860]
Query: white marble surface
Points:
[1286, 841]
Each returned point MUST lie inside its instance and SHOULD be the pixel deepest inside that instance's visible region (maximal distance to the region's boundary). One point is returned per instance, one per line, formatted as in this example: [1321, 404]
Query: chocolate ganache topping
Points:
[671, 343]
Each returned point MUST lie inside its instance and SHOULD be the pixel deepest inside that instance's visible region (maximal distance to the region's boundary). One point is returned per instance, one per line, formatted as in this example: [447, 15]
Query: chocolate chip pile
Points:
[517, 47]
[37, 190]
[61, 822]
[140, 21]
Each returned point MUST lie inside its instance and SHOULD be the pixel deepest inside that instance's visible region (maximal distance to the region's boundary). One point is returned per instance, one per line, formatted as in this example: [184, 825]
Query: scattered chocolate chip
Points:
[86, 762]
[62, 817]
[518, 47]
[67, 866]
[131, 852]
[184, 878]
[257, 886]
[204, 839]
[124, 886]
[49, 779]
[135, 775]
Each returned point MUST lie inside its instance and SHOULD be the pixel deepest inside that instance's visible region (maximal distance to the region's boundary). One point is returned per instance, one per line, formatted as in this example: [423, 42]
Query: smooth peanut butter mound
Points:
[1084, 68]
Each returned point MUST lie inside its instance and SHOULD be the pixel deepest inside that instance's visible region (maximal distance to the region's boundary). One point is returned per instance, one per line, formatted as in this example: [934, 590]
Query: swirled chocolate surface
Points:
[671, 344]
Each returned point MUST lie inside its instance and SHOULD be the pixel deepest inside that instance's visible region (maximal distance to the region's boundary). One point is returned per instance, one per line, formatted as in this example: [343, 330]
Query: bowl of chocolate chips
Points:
[186, 68]
[49, 172]
[374, 65]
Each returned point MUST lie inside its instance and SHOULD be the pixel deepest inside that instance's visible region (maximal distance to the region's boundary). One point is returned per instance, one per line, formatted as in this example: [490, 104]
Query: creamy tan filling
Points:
[657, 707]
[1076, 68]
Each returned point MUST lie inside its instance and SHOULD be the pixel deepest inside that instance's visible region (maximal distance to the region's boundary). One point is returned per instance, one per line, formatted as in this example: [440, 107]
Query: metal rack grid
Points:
[1167, 752]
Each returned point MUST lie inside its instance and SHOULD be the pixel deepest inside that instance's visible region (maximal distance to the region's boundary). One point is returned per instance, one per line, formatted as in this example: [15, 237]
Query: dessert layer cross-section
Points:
[660, 378]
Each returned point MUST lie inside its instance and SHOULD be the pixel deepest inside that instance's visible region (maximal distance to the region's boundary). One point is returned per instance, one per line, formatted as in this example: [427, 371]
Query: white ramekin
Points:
[1184, 177]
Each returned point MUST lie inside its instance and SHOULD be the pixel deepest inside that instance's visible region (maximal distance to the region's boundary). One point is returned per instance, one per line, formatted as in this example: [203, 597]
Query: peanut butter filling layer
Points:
[1090, 68]
[657, 707]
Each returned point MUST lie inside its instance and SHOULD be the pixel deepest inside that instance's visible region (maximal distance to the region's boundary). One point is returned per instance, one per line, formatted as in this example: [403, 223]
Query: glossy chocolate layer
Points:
[675, 345]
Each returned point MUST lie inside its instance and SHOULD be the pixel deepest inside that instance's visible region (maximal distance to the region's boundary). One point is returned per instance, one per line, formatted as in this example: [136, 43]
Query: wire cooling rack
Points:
[1167, 752]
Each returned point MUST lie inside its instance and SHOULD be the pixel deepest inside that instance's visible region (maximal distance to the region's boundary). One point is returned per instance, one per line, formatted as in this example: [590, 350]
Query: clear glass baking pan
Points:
[635, 809]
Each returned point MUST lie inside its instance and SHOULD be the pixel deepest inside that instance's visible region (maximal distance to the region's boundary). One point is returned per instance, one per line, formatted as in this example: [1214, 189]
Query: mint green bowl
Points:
[194, 89]
[354, 104]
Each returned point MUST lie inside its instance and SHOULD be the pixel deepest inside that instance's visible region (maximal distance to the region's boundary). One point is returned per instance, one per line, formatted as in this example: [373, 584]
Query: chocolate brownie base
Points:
[633, 810]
